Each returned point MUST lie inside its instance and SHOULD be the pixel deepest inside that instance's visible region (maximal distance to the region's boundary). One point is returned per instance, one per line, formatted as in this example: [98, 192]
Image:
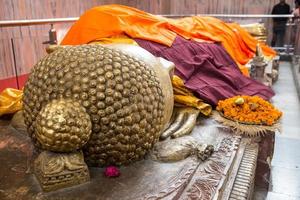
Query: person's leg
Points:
[274, 39]
[275, 35]
[280, 37]
[281, 34]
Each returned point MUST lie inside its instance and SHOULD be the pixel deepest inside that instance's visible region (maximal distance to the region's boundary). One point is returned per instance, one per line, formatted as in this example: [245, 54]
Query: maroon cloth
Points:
[207, 69]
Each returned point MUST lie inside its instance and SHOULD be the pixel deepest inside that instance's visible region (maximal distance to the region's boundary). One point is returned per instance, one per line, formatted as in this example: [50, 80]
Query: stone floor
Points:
[285, 172]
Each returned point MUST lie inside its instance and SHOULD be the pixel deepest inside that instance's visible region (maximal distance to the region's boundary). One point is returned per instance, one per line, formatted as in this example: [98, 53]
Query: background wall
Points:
[21, 47]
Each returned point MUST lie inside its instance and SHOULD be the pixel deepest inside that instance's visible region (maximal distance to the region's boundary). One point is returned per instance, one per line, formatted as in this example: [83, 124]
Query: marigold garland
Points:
[249, 109]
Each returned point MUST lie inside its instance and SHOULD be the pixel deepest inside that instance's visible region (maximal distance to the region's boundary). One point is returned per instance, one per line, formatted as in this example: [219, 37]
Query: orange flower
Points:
[253, 110]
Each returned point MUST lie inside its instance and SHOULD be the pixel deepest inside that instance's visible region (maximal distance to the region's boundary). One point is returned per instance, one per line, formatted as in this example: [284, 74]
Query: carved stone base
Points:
[146, 179]
[59, 170]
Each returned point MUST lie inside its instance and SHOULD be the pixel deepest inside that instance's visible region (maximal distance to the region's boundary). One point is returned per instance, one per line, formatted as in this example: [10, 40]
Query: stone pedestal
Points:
[228, 173]
[59, 170]
[275, 63]
[265, 155]
[257, 71]
[275, 69]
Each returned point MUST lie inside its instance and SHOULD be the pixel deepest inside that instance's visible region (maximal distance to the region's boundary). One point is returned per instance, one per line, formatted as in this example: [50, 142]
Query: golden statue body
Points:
[113, 103]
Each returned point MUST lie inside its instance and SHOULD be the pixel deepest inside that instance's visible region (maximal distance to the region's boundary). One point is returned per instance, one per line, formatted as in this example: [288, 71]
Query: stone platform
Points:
[228, 174]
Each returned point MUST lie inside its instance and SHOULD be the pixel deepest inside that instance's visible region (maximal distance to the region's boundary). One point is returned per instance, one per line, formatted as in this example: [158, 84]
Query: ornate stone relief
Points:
[201, 179]
[55, 171]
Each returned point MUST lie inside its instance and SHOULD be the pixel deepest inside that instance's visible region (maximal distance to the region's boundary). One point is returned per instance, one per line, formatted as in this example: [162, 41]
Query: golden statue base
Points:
[59, 170]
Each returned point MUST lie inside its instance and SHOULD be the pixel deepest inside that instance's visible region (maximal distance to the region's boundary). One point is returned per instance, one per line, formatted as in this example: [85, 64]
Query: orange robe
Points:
[113, 20]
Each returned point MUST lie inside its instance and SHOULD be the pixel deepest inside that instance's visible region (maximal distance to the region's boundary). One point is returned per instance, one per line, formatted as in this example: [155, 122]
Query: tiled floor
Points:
[285, 174]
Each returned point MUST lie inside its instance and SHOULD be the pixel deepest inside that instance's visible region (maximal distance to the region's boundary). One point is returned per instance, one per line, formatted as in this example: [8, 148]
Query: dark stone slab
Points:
[265, 155]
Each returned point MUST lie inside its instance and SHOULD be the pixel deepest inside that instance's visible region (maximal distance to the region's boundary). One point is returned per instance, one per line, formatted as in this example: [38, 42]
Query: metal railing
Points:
[29, 22]
[288, 48]
[231, 16]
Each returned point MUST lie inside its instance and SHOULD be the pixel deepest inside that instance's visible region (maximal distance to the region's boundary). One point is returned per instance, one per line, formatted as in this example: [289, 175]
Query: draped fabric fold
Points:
[184, 96]
[10, 101]
[112, 20]
[207, 70]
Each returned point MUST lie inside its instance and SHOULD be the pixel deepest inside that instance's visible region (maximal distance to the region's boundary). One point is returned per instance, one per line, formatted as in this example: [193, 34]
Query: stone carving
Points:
[207, 179]
[258, 66]
[112, 105]
[180, 148]
[56, 171]
[201, 180]
[177, 183]
[243, 184]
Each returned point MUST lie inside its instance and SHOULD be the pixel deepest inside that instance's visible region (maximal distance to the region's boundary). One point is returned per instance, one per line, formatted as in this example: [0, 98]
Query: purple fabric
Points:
[207, 69]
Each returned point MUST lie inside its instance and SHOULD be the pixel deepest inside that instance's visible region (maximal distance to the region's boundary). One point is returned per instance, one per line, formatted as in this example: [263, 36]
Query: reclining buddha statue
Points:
[103, 105]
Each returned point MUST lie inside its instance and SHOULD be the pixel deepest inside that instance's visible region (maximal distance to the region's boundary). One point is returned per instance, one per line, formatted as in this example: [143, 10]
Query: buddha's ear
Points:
[167, 65]
[53, 47]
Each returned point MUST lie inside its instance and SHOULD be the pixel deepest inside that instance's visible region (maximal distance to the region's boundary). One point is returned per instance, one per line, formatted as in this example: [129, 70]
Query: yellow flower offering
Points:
[251, 110]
